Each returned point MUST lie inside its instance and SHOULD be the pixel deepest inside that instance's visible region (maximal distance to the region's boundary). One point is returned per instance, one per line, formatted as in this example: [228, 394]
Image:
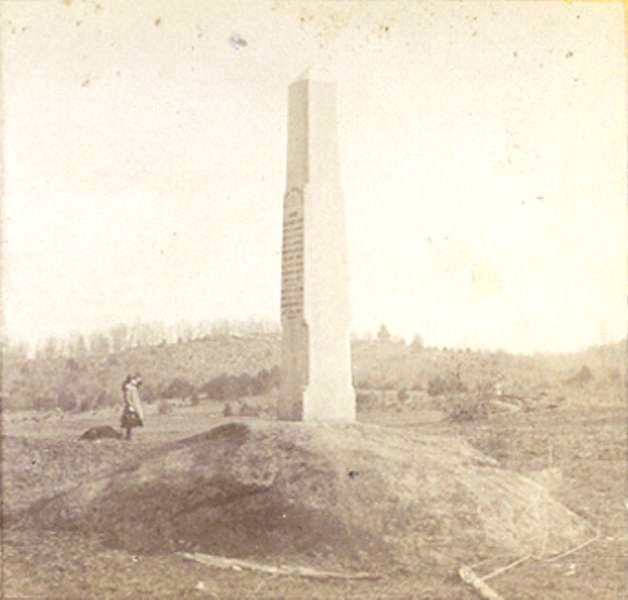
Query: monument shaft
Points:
[316, 382]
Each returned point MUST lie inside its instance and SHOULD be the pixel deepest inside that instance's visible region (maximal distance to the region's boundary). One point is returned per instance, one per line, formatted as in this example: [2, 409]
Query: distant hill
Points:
[95, 379]
[394, 365]
[62, 381]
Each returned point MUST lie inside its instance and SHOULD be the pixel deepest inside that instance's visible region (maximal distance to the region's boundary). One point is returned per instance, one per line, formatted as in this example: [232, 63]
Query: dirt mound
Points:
[350, 494]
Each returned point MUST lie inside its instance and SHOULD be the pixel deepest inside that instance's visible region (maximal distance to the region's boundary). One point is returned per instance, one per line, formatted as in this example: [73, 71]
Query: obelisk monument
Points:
[316, 383]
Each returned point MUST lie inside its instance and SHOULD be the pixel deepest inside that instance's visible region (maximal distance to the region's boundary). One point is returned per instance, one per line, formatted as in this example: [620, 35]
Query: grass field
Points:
[42, 457]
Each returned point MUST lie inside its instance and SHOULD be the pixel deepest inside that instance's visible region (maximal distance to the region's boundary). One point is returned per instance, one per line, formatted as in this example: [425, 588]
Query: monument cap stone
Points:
[318, 72]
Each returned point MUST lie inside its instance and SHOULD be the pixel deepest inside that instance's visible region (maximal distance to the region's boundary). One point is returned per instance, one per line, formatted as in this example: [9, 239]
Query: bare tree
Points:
[98, 343]
[51, 348]
[383, 335]
[417, 342]
[119, 337]
[77, 346]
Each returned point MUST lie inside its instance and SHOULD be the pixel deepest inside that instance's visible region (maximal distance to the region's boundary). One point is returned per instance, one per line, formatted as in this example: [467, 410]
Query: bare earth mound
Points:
[318, 493]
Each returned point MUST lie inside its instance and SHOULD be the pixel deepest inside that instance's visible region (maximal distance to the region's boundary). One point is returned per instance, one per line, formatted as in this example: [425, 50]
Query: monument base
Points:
[320, 405]
[317, 406]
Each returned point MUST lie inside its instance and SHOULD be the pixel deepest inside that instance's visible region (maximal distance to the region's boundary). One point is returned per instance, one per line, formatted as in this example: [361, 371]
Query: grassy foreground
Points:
[41, 457]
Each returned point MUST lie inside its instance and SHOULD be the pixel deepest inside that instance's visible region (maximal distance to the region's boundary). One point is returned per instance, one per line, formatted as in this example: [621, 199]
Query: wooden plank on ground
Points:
[238, 564]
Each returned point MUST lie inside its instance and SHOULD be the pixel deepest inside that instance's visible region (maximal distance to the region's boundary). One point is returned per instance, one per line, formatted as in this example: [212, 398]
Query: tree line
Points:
[123, 336]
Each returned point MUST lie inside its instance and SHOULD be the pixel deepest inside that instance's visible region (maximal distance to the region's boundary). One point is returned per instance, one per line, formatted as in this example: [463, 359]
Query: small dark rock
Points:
[101, 432]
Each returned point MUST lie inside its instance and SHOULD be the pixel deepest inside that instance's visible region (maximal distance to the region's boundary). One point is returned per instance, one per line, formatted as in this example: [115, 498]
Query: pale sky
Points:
[482, 149]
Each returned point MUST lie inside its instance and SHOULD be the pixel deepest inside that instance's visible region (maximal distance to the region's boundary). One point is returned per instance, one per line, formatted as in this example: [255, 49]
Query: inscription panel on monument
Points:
[292, 256]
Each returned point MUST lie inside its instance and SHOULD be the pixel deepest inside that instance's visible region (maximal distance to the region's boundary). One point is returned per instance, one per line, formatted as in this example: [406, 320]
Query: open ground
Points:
[42, 457]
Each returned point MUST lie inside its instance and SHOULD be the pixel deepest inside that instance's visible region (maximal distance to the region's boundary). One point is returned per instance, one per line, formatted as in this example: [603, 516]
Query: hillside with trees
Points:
[226, 366]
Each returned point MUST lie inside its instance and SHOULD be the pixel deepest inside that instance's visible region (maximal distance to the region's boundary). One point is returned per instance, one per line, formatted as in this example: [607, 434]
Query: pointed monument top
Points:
[317, 73]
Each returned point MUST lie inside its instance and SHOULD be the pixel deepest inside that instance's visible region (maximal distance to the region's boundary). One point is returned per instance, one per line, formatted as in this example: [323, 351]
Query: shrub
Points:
[403, 395]
[584, 375]
[246, 385]
[222, 387]
[248, 411]
[71, 364]
[468, 408]
[367, 400]
[164, 408]
[231, 387]
[66, 400]
[178, 388]
[148, 393]
[85, 403]
[450, 384]
[103, 399]
[275, 375]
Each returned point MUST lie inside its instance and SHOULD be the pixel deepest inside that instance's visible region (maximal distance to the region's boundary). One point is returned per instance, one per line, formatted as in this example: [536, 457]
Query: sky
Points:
[482, 156]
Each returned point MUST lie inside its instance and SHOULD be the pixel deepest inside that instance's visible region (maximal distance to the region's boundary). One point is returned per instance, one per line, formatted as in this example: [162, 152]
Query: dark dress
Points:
[130, 418]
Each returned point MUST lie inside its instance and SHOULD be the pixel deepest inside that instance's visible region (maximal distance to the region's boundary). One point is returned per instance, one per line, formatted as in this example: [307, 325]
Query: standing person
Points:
[132, 414]
[137, 399]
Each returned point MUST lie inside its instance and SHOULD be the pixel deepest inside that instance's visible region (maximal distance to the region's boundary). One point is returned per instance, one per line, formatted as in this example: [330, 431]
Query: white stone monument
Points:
[316, 382]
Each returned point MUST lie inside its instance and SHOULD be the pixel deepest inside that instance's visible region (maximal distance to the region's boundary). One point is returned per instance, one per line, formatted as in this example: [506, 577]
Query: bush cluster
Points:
[468, 408]
[230, 387]
[447, 384]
